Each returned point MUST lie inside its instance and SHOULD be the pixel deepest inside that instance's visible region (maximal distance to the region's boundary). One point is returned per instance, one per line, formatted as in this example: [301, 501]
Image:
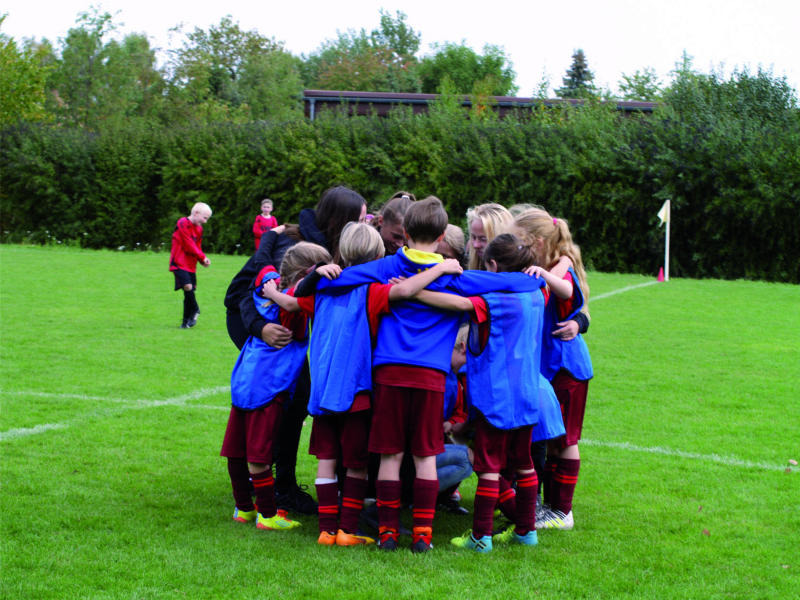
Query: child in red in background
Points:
[186, 252]
[264, 222]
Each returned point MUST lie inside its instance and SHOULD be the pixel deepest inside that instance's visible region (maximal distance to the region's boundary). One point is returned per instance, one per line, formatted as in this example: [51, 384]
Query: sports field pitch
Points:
[111, 420]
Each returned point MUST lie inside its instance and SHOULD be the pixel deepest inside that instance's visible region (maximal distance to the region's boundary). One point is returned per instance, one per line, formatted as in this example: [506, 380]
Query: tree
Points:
[380, 61]
[468, 70]
[642, 85]
[95, 82]
[579, 80]
[23, 74]
[226, 72]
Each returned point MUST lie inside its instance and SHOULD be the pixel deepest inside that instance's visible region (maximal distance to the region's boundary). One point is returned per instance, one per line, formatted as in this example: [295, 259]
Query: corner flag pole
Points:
[664, 215]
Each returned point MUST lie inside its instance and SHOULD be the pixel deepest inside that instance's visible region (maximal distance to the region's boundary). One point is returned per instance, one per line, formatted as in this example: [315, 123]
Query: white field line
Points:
[26, 431]
[178, 401]
[730, 461]
[620, 290]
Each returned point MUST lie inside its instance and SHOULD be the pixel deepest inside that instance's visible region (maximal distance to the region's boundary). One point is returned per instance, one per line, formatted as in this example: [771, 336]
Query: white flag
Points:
[663, 214]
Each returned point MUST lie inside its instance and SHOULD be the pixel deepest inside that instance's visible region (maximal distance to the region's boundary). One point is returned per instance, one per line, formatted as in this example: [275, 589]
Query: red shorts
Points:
[407, 416]
[500, 449]
[571, 395]
[251, 433]
[343, 437]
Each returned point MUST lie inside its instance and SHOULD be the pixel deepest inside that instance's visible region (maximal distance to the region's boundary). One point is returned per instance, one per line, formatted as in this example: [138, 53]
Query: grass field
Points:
[112, 419]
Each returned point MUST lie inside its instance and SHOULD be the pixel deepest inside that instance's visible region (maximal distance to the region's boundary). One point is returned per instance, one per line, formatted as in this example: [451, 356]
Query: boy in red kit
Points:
[409, 397]
[264, 222]
[186, 252]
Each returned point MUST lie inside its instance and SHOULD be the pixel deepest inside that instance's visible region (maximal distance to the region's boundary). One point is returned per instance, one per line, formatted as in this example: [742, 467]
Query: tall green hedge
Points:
[733, 177]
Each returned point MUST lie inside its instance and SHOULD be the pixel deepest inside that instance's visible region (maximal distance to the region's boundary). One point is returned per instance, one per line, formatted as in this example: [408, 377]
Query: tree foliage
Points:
[643, 85]
[227, 73]
[23, 73]
[97, 82]
[383, 60]
[468, 71]
[579, 80]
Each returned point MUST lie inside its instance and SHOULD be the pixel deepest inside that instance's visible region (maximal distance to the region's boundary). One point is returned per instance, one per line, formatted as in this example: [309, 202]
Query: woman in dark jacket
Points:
[338, 206]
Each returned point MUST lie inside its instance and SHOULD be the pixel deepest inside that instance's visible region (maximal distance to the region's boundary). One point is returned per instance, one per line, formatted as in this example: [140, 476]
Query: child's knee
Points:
[257, 468]
[187, 287]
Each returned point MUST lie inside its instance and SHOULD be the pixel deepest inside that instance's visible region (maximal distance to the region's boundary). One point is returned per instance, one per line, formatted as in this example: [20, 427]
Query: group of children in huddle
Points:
[379, 336]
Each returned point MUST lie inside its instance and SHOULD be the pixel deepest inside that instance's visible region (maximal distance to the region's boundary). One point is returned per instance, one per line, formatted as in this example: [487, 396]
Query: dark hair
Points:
[336, 208]
[425, 220]
[395, 209]
[510, 254]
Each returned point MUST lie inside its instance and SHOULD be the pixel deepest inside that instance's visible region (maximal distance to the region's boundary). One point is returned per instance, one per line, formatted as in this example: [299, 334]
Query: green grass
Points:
[691, 421]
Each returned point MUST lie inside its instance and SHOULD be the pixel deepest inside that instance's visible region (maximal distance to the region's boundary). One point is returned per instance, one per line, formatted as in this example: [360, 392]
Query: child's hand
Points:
[279, 229]
[451, 266]
[396, 280]
[448, 427]
[206, 262]
[331, 271]
[269, 289]
[534, 271]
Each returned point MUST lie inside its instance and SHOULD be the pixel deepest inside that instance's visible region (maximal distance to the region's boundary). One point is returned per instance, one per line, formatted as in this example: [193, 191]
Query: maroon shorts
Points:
[500, 449]
[251, 433]
[571, 395]
[407, 416]
[342, 437]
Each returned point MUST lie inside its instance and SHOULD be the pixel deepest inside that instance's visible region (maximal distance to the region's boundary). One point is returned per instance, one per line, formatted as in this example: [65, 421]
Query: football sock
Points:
[352, 502]
[328, 511]
[566, 477]
[548, 484]
[264, 487]
[425, 493]
[240, 482]
[507, 499]
[485, 501]
[527, 490]
[189, 305]
[388, 499]
[539, 456]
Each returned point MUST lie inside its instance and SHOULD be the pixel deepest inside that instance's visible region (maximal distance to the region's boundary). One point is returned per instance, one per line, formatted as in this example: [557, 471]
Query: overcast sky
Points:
[539, 36]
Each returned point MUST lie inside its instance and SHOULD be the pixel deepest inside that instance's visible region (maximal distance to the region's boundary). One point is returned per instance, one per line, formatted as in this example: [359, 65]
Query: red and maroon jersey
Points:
[186, 249]
[262, 225]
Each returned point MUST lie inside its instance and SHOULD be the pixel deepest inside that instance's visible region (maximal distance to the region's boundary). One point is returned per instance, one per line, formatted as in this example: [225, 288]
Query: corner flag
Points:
[664, 215]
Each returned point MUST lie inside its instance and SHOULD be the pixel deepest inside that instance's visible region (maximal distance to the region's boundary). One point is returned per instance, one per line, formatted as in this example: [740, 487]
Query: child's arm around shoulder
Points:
[452, 302]
[308, 285]
[561, 267]
[560, 287]
[285, 301]
[408, 288]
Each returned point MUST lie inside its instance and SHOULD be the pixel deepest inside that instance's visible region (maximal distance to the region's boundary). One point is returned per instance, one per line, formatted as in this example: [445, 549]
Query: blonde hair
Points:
[537, 224]
[299, 259]
[454, 237]
[360, 243]
[463, 334]
[266, 201]
[201, 206]
[496, 220]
